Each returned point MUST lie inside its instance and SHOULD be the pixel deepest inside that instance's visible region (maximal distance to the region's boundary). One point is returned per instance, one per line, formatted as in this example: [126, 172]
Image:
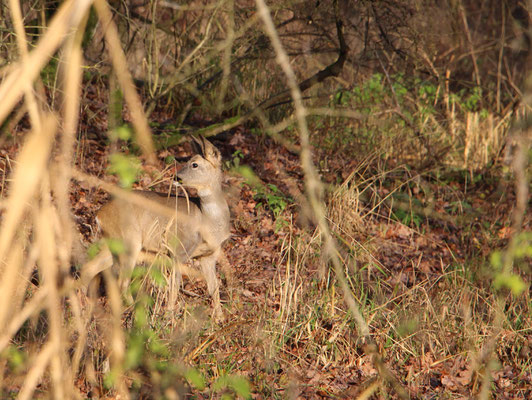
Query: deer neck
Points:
[213, 204]
[215, 215]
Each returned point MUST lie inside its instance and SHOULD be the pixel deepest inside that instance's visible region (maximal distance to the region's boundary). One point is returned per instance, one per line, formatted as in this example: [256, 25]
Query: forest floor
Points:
[422, 281]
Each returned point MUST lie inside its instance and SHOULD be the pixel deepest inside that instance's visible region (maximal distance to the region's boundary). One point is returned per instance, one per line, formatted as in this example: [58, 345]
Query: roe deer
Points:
[195, 228]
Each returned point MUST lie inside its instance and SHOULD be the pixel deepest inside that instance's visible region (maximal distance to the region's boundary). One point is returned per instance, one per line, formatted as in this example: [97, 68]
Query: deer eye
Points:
[194, 165]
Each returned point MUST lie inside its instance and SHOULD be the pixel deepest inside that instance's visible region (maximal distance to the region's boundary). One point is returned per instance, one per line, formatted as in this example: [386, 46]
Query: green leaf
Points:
[94, 250]
[241, 386]
[15, 358]
[237, 384]
[496, 260]
[135, 351]
[158, 277]
[116, 246]
[169, 159]
[127, 168]
[158, 347]
[248, 174]
[110, 378]
[122, 132]
[510, 281]
[141, 315]
[195, 378]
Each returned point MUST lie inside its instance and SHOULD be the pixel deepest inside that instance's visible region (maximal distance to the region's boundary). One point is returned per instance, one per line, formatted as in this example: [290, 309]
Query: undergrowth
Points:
[414, 121]
[427, 175]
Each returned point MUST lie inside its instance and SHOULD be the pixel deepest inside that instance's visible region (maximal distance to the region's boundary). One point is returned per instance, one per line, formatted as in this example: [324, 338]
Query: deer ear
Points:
[207, 150]
[198, 144]
[211, 153]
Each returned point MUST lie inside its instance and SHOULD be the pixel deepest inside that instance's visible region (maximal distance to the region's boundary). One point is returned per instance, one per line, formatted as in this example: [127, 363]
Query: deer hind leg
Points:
[126, 265]
[208, 269]
[225, 265]
[91, 270]
[175, 284]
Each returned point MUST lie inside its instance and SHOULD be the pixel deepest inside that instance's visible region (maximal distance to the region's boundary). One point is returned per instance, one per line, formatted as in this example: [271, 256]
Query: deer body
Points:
[187, 228]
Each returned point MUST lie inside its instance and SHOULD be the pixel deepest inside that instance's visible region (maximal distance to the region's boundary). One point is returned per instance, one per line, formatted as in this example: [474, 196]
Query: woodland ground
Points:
[423, 284]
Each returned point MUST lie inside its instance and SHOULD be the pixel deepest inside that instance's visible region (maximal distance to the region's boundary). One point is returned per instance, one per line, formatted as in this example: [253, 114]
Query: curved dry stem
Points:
[22, 45]
[36, 371]
[117, 340]
[47, 245]
[28, 173]
[68, 16]
[120, 65]
[226, 60]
